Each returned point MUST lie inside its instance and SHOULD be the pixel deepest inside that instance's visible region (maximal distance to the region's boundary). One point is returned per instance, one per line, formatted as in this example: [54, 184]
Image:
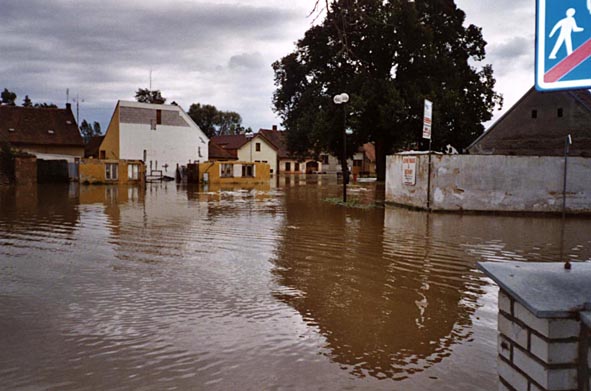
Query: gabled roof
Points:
[39, 126]
[231, 142]
[218, 153]
[277, 138]
[538, 124]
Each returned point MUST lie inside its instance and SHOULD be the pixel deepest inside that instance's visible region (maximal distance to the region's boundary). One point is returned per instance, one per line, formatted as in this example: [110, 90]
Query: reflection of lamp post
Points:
[342, 99]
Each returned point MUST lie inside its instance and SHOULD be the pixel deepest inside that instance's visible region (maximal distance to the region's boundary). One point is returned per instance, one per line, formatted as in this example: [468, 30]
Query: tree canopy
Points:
[89, 131]
[388, 56]
[145, 95]
[214, 122]
[8, 97]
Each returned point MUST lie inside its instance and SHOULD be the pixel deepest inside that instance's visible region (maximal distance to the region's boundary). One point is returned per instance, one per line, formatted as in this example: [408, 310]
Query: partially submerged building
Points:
[164, 137]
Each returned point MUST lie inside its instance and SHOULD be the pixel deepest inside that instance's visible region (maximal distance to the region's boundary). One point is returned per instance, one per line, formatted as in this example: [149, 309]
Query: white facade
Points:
[163, 136]
[258, 149]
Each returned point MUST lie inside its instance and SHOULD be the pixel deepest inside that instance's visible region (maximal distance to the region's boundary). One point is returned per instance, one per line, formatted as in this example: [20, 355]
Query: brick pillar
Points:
[536, 354]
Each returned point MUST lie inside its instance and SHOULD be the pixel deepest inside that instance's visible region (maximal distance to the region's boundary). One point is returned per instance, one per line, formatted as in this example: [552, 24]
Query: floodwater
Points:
[269, 288]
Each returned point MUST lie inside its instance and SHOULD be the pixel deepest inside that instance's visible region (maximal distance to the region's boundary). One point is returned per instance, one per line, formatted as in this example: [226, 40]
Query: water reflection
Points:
[268, 287]
[388, 303]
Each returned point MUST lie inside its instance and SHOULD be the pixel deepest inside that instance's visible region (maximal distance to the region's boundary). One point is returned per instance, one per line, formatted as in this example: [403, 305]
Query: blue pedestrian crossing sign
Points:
[563, 44]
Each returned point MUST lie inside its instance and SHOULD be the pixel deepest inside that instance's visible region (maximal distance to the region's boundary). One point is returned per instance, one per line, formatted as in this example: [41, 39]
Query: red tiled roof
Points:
[39, 126]
[232, 142]
[218, 153]
[277, 138]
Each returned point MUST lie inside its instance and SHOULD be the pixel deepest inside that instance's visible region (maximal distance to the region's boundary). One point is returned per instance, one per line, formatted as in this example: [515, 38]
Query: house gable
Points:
[538, 125]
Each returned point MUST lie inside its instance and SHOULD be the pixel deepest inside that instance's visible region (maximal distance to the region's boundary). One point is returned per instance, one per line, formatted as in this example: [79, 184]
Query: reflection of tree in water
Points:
[386, 302]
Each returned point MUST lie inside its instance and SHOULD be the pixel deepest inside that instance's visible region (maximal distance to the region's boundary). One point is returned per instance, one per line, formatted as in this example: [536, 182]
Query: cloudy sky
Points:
[216, 52]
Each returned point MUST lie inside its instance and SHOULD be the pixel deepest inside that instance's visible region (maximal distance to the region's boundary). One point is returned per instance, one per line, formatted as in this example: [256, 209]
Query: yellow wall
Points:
[262, 173]
[93, 171]
[110, 144]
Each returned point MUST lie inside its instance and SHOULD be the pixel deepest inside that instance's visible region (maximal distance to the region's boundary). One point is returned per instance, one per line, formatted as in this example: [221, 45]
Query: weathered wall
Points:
[109, 148]
[25, 170]
[493, 183]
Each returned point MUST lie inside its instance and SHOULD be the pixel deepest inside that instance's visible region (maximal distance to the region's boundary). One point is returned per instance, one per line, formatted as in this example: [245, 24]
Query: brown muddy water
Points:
[268, 288]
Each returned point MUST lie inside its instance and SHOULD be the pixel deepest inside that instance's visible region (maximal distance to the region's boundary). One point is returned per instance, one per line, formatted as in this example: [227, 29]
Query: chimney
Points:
[69, 106]
[274, 127]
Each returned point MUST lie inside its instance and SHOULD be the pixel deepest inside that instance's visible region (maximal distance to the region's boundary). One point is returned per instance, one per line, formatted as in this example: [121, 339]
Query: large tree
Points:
[388, 56]
[145, 95]
[8, 97]
[214, 122]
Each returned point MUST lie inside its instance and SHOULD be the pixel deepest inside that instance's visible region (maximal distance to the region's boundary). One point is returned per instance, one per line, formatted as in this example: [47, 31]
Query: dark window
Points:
[145, 155]
[297, 167]
[287, 166]
[102, 155]
[324, 159]
[534, 113]
[247, 170]
[159, 117]
[258, 147]
[560, 112]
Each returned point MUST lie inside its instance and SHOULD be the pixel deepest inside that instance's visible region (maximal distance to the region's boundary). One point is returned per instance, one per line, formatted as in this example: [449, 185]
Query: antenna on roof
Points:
[67, 95]
[150, 78]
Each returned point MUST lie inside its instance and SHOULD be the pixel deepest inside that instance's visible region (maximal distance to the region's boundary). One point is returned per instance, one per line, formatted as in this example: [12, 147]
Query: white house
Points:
[163, 136]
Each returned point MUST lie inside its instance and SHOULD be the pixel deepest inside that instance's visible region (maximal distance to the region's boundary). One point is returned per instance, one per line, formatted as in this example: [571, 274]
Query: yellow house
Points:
[111, 171]
[234, 172]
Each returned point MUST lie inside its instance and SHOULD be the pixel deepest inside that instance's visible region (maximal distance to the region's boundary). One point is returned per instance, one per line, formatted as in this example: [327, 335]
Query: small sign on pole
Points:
[409, 170]
[427, 119]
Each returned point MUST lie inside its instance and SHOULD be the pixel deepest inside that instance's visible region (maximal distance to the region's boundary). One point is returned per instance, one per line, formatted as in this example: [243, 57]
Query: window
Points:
[324, 159]
[247, 170]
[102, 155]
[287, 166]
[257, 147]
[534, 113]
[357, 163]
[111, 171]
[296, 167]
[133, 172]
[145, 156]
[226, 170]
[560, 112]
[199, 152]
[159, 117]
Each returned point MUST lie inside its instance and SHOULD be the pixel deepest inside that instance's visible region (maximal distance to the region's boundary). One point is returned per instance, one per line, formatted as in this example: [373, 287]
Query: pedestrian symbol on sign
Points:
[563, 44]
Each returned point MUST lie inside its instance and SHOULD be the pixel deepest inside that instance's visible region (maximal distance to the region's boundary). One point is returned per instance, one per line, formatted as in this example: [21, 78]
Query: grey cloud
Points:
[247, 60]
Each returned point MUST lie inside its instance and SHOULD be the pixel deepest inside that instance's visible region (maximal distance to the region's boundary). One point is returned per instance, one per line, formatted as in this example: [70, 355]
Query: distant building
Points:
[255, 148]
[538, 124]
[48, 133]
[164, 137]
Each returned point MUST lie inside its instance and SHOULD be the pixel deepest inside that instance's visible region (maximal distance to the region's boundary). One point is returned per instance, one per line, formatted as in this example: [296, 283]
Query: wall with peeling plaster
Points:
[492, 183]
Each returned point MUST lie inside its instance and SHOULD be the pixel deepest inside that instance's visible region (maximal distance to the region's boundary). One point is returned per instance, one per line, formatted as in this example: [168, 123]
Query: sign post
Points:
[427, 124]
[563, 45]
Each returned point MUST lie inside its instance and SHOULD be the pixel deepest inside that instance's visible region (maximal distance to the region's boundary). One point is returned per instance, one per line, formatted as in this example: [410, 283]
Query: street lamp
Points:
[342, 99]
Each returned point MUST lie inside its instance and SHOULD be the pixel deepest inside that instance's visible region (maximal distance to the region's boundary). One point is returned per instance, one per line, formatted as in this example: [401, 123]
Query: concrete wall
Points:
[492, 183]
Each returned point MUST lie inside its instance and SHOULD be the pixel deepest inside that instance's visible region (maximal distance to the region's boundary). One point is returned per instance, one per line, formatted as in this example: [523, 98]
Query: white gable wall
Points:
[165, 146]
[267, 154]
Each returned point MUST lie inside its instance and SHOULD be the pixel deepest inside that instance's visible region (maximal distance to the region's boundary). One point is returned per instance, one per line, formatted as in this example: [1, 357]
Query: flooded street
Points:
[175, 287]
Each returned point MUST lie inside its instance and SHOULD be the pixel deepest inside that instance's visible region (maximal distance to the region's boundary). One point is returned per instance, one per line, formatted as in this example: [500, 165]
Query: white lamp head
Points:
[337, 99]
[344, 97]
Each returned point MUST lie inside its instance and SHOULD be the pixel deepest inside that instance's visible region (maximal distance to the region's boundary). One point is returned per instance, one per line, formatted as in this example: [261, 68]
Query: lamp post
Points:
[338, 100]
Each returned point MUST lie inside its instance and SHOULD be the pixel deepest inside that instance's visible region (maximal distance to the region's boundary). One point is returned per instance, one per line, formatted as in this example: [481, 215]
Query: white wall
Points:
[167, 145]
[493, 183]
[267, 154]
